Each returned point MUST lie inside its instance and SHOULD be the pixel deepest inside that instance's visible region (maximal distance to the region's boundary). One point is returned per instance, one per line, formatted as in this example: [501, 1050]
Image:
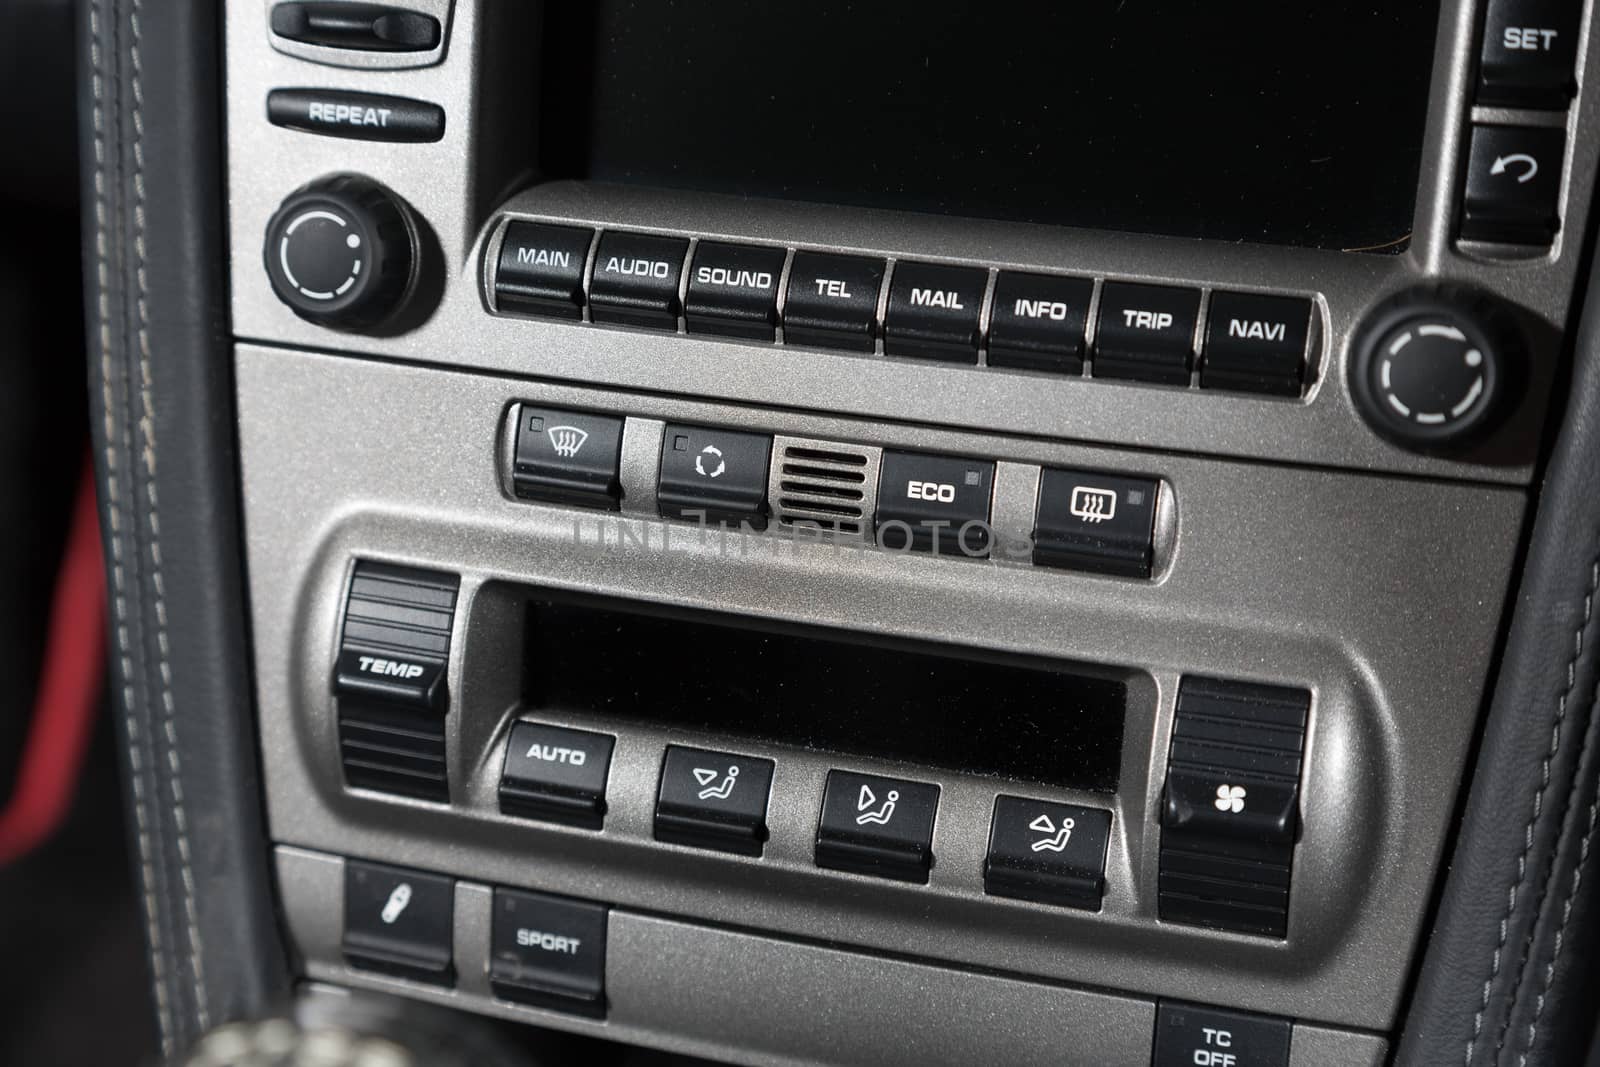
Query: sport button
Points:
[714, 800]
[549, 951]
[567, 457]
[877, 826]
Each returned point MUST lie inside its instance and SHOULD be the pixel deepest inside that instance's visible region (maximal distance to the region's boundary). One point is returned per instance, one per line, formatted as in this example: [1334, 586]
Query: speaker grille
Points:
[824, 485]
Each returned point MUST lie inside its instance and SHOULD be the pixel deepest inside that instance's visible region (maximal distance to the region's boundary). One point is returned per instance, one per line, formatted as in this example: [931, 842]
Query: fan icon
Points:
[1230, 798]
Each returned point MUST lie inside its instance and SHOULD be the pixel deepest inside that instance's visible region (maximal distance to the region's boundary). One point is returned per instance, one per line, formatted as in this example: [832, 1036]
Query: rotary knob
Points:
[343, 252]
[1431, 369]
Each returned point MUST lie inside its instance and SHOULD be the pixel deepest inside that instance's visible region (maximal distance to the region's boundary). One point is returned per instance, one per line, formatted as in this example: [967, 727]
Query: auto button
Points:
[556, 774]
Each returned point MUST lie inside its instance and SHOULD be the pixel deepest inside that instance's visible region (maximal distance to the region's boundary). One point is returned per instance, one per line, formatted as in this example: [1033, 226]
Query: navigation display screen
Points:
[1275, 122]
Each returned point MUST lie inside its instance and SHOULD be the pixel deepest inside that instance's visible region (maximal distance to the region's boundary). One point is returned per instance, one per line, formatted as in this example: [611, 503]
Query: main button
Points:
[357, 116]
[399, 921]
[1038, 322]
[1188, 1035]
[541, 269]
[1146, 332]
[567, 457]
[713, 800]
[636, 279]
[1256, 344]
[549, 951]
[934, 503]
[1051, 853]
[1530, 48]
[733, 290]
[556, 775]
[1513, 184]
[1095, 522]
[933, 311]
[714, 476]
[832, 301]
[877, 826]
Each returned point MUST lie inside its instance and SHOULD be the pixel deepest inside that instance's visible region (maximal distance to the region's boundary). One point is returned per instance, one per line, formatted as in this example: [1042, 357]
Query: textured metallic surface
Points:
[458, 183]
[1318, 1046]
[724, 993]
[1337, 582]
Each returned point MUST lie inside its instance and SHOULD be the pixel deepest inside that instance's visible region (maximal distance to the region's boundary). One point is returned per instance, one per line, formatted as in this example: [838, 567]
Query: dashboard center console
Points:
[894, 510]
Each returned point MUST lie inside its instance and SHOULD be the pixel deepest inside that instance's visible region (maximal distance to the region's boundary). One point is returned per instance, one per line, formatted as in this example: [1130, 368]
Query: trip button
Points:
[1038, 322]
[1256, 343]
[540, 271]
[1051, 853]
[877, 826]
[1188, 1035]
[1530, 48]
[933, 312]
[1513, 183]
[713, 800]
[832, 301]
[399, 922]
[567, 457]
[1095, 522]
[733, 290]
[556, 775]
[1146, 332]
[714, 476]
[549, 951]
[635, 280]
[934, 503]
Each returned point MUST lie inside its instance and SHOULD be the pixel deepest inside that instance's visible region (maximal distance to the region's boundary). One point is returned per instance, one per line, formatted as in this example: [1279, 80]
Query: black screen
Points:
[928, 705]
[1278, 122]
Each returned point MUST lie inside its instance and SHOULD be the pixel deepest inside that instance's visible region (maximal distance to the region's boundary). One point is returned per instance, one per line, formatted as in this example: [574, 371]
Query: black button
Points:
[363, 27]
[1052, 853]
[1145, 332]
[715, 476]
[567, 457]
[733, 290]
[394, 678]
[556, 775]
[1529, 50]
[359, 116]
[1095, 522]
[933, 312]
[1256, 344]
[713, 800]
[541, 269]
[934, 503]
[549, 951]
[832, 301]
[1038, 322]
[1513, 182]
[877, 826]
[1231, 804]
[1188, 1035]
[399, 922]
[636, 279]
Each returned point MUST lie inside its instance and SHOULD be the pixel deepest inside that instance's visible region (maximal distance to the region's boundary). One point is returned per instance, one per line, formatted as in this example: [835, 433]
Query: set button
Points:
[1530, 48]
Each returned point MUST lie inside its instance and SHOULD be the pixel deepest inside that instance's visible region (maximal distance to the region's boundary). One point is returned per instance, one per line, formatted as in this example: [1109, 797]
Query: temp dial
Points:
[342, 252]
[1431, 368]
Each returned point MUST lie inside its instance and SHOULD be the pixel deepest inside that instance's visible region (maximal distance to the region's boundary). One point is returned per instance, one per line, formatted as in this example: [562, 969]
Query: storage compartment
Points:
[831, 690]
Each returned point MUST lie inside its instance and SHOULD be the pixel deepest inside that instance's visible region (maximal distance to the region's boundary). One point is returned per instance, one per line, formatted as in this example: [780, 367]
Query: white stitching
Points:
[1538, 805]
[148, 453]
[1572, 896]
[164, 1018]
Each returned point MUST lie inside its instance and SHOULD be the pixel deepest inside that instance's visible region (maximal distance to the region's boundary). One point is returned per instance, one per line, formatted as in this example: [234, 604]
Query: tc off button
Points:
[934, 504]
[1188, 1035]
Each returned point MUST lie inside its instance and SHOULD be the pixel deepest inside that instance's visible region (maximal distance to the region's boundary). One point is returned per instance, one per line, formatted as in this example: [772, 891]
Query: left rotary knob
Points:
[343, 252]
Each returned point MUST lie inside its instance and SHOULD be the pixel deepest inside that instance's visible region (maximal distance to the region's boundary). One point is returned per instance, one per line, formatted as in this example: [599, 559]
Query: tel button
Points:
[549, 951]
[832, 301]
[934, 503]
[1188, 1035]
[555, 774]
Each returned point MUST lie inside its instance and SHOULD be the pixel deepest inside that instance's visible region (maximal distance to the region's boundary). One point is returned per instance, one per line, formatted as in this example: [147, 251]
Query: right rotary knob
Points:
[1433, 369]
